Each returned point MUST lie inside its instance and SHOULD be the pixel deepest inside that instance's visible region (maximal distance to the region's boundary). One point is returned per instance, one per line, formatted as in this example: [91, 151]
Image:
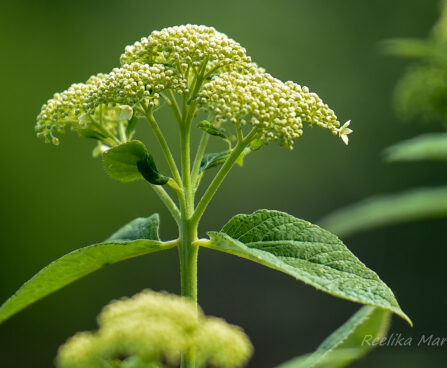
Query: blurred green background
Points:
[56, 199]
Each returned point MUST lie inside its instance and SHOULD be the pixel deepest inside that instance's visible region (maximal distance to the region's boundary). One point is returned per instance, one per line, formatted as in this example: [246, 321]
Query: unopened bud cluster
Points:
[278, 109]
[151, 328]
[137, 83]
[186, 47]
[65, 108]
[200, 64]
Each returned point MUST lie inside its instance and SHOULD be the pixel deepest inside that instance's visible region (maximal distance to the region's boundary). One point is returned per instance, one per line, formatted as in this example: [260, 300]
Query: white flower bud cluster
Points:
[137, 83]
[65, 108]
[151, 328]
[186, 45]
[278, 109]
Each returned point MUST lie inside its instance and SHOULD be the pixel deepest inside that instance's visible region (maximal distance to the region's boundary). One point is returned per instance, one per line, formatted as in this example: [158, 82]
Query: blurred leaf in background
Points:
[421, 92]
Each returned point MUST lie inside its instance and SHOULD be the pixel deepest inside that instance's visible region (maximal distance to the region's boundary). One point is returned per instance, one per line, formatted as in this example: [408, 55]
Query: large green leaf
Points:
[425, 147]
[131, 161]
[306, 252]
[417, 204]
[349, 342]
[120, 162]
[138, 237]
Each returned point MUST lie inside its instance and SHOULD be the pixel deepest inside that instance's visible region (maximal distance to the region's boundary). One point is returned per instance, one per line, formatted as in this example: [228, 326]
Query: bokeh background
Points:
[56, 199]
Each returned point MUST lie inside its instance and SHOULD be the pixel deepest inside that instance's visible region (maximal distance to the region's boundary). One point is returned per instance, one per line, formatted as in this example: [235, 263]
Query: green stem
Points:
[186, 169]
[218, 179]
[168, 202]
[164, 146]
[198, 159]
[188, 253]
[188, 260]
[174, 106]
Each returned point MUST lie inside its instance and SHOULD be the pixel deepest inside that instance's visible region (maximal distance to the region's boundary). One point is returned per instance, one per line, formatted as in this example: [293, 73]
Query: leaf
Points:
[306, 252]
[424, 147]
[209, 128]
[131, 161]
[412, 205]
[120, 162]
[130, 129]
[349, 342]
[138, 237]
[149, 171]
[218, 158]
[256, 144]
[414, 49]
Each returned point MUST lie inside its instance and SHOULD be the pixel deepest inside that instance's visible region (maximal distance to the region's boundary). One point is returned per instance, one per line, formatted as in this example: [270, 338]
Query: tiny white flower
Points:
[344, 131]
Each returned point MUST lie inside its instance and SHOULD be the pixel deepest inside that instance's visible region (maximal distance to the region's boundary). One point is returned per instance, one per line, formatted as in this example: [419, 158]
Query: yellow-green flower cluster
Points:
[186, 47]
[180, 59]
[137, 83]
[65, 108]
[276, 108]
[151, 328]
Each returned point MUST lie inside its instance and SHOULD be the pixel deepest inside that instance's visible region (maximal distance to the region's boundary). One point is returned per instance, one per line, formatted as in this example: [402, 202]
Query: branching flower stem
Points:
[164, 146]
[198, 159]
[218, 179]
[188, 216]
[168, 202]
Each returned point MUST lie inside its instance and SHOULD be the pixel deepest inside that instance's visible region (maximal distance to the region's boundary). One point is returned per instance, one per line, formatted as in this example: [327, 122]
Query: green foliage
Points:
[306, 252]
[211, 160]
[422, 91]
[414, 49]
[131, 161]
[137, 238]
[431, 146]
[349, 342]
[209, 128]
[416, 204]
[148, 169]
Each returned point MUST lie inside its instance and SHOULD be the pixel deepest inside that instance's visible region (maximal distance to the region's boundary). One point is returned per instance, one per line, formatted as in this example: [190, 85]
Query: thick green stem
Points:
[188, 260]
[188, 230]
[188, 254]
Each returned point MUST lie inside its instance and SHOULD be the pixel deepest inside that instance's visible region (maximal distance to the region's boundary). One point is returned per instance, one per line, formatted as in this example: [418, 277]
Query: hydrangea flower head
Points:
[65, 108]
[151, 328]
[208, 70]
[276, 108]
